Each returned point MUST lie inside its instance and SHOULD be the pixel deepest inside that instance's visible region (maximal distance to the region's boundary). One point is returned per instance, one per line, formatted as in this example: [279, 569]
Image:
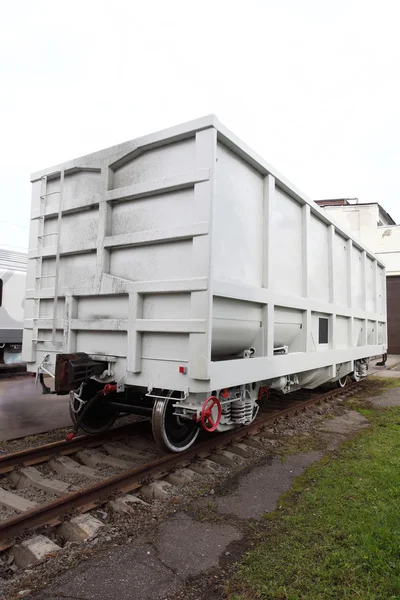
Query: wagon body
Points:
[188, 263]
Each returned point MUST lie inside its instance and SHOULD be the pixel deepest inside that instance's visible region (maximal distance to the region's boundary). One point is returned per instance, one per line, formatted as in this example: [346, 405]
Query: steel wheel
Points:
[170, 431]
[341, 382]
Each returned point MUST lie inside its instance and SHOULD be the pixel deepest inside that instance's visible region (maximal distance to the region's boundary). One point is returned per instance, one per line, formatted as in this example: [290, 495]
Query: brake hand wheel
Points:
[206, 418]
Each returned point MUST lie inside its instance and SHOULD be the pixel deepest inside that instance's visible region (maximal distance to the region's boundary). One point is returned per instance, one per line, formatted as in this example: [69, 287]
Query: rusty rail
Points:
[34, 456]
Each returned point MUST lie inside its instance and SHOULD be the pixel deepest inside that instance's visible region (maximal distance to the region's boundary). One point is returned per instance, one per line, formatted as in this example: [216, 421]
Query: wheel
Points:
[170, 431]
[99, 418]
[355, 376]
[341, 382]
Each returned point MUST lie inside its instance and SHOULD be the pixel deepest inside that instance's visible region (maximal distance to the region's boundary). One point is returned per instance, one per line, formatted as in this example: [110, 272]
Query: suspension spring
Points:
[248, 412]
[238, 414]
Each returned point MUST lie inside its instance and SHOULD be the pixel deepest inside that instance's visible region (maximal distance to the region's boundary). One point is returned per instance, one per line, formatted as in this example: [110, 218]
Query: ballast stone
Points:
[241, 450]
[33, 551]
[141, 445]
[157, 490]
[204, 467]
[81, 528]
[181, 477]
[254, 442]
[226, 458]
[124, 503]
[267, 434]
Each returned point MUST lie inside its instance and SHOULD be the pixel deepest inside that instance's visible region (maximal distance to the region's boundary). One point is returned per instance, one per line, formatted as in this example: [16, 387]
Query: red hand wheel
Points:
[109, 388]
[206, 417]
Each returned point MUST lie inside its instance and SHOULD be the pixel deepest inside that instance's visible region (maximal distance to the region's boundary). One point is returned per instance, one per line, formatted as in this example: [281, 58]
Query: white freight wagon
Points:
[12, 297]
[179, 275]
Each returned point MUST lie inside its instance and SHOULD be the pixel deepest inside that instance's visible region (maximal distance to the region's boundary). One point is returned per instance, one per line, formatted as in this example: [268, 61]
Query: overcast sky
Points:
[312, 85]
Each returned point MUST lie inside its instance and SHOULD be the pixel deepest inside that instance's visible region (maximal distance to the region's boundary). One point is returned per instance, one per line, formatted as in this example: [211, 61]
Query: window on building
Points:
[323, 331]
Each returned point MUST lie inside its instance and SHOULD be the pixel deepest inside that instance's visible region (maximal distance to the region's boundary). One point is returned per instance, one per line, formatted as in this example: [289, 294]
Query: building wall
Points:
[393, 314]
[362, 221]
[387, 248]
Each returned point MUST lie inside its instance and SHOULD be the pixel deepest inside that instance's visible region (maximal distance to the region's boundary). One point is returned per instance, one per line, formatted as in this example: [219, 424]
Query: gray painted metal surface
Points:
[184, 248]
[12, 296]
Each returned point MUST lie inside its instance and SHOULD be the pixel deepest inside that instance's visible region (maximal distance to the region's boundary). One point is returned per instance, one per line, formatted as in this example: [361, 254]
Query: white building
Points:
[376, 229]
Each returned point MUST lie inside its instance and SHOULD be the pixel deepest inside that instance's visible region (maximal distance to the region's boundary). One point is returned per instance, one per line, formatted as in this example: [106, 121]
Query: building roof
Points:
[334, 202]
[346, 202]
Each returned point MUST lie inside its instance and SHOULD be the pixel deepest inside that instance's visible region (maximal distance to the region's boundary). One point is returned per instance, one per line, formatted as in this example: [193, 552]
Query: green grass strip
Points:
[337, 532]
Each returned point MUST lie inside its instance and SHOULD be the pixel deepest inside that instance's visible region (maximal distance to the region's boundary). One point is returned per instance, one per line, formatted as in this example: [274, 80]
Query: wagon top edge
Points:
[114, 154]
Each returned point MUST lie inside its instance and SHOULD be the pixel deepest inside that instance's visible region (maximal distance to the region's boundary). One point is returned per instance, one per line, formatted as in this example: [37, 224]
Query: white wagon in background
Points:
[12, 298]
[179, 275]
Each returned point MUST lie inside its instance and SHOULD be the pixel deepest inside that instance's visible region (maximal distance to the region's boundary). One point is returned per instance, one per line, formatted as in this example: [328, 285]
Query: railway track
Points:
[92, 496]
[13, 369]
[40, 454]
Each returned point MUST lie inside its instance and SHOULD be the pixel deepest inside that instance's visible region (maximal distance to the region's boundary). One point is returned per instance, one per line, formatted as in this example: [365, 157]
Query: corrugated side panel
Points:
[309, 288]
[133, 264]
[13, 261]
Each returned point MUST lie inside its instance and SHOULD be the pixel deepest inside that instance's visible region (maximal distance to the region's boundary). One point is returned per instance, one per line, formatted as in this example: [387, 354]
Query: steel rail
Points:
[12, 367]
[7, 371]
[127, 481]
[39, 454]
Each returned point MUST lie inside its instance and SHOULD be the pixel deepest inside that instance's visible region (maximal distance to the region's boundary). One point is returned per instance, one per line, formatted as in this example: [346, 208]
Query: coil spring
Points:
[238, 412]
[248, 412]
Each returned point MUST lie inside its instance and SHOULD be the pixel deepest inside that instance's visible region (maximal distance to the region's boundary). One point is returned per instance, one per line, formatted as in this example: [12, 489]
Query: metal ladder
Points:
[39, 265]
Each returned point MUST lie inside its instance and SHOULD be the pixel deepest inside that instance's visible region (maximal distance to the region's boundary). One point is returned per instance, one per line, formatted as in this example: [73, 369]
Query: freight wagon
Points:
[181, 277]
[12, 296]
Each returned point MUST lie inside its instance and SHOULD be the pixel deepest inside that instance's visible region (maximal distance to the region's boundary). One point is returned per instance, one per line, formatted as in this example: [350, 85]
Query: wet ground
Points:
[391, 369]
[25, 411]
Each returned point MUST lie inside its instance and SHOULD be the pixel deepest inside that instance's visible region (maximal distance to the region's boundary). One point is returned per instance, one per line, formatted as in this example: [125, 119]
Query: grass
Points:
[381, 383]
[337, 533]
